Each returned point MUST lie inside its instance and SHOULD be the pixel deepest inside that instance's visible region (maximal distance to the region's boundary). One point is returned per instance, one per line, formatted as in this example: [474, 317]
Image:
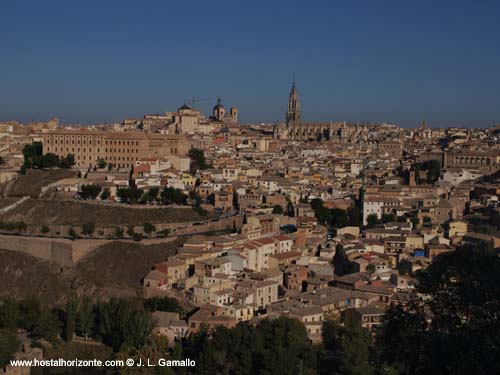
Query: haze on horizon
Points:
[392, 61]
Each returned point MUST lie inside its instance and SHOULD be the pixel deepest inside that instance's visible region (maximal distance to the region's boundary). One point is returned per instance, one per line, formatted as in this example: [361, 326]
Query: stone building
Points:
[483, 161]
[295, 129]
[122, 149]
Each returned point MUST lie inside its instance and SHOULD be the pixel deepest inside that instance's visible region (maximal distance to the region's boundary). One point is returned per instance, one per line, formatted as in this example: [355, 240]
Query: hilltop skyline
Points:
[95, 63]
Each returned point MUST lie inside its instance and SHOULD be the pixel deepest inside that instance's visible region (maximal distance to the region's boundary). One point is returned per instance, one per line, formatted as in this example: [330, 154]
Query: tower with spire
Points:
[293, 111]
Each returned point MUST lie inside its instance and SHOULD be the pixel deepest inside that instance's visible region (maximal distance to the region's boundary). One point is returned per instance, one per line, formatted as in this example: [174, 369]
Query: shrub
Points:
[149, 228]
[119, 232]
[88, 228]
[72, 233]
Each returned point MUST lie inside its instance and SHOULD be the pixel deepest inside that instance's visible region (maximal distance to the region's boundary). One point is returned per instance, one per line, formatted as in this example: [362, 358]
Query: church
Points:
[295, 129]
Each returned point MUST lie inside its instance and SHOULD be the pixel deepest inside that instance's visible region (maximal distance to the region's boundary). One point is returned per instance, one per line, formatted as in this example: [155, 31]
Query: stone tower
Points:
[413, 179]
[219, 111]
[293, 111]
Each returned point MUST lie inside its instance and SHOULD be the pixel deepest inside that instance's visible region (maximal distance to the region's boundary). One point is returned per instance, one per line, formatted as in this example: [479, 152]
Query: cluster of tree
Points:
[432, 167]
[168, 195]
[372, 220]
[480, 225]
[32, 316]
[132, 194]
[195, 200]
[163, 304]
[121, 324]
[278, 210]
[90, 191]
[151, 195]
[34, 158]
[279, 347]
[454, 331]
[198, 160]
[336, 217]
[275, 347]
[149, 227]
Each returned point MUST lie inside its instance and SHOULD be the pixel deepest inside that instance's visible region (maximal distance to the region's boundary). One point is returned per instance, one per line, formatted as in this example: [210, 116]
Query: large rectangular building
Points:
[483, 161]
[121, 149]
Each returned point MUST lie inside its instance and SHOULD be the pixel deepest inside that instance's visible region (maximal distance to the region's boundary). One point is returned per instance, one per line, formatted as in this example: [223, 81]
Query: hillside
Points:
[112, 270]
[33, 180]
[66, 212]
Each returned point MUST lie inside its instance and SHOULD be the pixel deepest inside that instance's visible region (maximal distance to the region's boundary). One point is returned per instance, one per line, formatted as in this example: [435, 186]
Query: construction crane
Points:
[194, 100]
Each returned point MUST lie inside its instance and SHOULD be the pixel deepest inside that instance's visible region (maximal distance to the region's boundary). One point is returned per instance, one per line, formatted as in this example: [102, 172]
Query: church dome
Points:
[218, 105]
[184, 106]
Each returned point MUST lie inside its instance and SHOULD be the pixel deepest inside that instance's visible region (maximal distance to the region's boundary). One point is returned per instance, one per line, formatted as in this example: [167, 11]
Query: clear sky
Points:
[396, 61]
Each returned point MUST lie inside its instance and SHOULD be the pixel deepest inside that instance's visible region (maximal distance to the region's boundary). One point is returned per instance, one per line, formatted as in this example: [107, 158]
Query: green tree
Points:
[106, 193]
[9, 314]
[101, 164]
[170, 195]
[155, 348]
[90, 191]
[67, 162]
[132, 195]
[70, 316]
[49, 160]
[355, 216]
[433, 168]
[86, 317]
[153, 192]
[123, 324]
[72, 233]
[29, 311]
[149, 228]
[348, 349]
[274, 347]
[372, 221]
[320, 211]
[8, 345]
[88, 228]
[32, 154]
[47, 326]
[388, 218]
[338, 218]
[163, 304]
[454, 330]
[119, 232]
[198, 159]
[277, 209]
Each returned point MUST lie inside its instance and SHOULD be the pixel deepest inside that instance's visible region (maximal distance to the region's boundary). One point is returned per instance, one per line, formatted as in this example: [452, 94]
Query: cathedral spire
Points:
[293, 111]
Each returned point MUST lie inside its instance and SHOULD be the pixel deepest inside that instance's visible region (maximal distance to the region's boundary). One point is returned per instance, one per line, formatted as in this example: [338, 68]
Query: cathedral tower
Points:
[293, 111]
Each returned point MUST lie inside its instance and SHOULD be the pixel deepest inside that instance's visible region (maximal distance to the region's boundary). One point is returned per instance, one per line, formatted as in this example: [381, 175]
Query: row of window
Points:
[119, 143]
[112, 150]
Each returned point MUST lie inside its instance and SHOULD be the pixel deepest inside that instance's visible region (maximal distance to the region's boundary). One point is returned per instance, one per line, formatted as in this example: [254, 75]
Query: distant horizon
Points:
[94, 62]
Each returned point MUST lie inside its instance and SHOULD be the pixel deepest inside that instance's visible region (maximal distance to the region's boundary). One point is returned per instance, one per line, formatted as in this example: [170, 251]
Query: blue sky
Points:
[395, 61]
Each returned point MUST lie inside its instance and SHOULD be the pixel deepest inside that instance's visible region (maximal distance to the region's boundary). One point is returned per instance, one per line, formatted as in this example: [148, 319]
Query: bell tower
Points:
[293, 111]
